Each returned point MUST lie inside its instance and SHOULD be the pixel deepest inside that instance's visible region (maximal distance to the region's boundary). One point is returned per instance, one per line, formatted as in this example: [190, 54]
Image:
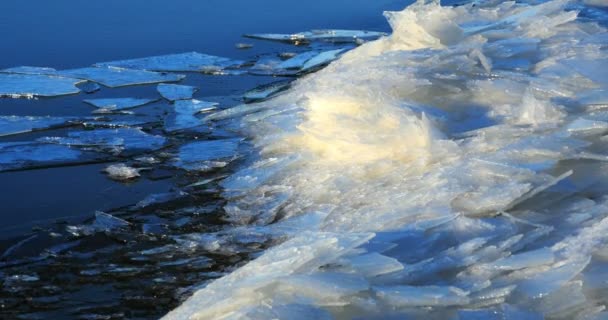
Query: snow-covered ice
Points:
[454, 169]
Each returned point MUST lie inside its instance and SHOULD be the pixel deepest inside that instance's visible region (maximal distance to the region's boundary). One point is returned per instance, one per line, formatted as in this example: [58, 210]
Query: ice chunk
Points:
[526, 260]
[121, 172]
[174, 92]
[328, 35]
[584, 127]
[321, 59]
[180, 62]
[114, 139]
[201, 155]
[89, 87]
[19, 124]
[160, 198]
[422, 296]
[266, 91]
[15, 155]
[119, 77]
[31, 70]
[34, 85]
[107, 222]
[243, 45]
[297, 61]
[374, 264]
[185, 114]
[118, 103]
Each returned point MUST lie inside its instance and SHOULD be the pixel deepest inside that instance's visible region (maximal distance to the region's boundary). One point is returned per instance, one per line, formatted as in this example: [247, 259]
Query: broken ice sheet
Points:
[118, 77]
[203, 155]
[10, 125]
[35, 85]
[184, 62]
[184, 116]
[327, 35]
[118, 103]
[113, 139]
[266, 91]
[174, 92]
[17, 155]
[321, 59]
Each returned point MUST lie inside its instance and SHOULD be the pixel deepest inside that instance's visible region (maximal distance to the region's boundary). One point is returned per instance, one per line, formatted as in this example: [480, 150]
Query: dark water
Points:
[101, 275]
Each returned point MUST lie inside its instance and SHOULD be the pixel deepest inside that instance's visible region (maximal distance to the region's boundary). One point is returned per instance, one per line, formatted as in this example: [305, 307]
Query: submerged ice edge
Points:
[452, 169]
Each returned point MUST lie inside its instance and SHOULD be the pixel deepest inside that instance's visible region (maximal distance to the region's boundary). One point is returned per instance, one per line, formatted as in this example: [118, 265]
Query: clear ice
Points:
[454, 169]
[18, 155]
[112, 140]
[119, 77]
[173, 92]
[16, 85]
[184, 116]
[205, 155]
[180, 62]
[10, 125]
[118, 103]
[327, 35]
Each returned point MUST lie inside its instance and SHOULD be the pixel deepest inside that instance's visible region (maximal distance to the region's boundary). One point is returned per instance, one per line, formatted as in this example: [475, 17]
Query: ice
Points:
[185, 114]
[10, 125]
[465, 152]
[328, 35]
[264, 92]
[35, 85]
[15, 155]
[173, 92]
[115, 140]
[107, 222]
[321, 59]
[204, 155]
[121, 172]
[180, 62]
[89, 87]
[119, 77]
[118, 103]
[410, 296]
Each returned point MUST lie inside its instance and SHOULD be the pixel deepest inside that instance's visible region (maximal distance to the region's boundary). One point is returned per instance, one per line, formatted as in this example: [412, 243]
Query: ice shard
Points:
[36, 85]
[118, 103]
[115, 140]
[173, 92]
[10, 125]
[185, 114]
[118, 77]
[17, 155]
[204, 155]
[266, 91]
[327, 35]
[180, 62]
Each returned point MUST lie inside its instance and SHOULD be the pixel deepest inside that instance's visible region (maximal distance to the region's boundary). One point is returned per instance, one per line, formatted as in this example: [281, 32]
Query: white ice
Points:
[453, 169]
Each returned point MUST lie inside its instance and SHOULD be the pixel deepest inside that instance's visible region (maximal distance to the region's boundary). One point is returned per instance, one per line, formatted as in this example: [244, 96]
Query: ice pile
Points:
[454, 169]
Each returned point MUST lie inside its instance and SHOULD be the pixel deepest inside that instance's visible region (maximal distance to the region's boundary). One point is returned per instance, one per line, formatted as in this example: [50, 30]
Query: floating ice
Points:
[185, 114]
[180, 62]
[115, 140]
[119, 77]
[121, 172]
[118, 103]
[16, 155]
[174, 92]
[35, 85]
[204, 155]
[338, 36]
[264, 92]
[20, 124]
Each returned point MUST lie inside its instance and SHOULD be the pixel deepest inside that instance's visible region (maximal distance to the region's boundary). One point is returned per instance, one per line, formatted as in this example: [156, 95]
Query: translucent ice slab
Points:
[20, 124]
[185, 114]
[320, 35]
[16, 155]
[203, 155]
[182, 62]
[110, 139]
[118, 103]
[118, 77]
[36, 85]
[174, 92]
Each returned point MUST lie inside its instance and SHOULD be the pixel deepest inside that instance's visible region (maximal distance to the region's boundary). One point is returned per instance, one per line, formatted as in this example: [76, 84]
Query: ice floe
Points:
[10, 125]
[112, 140]
[184, 116]
[17, 155]
[118, 103]
[173, 92]
[205, 155]
[179, 62]
[327, 35]
[36, 85]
